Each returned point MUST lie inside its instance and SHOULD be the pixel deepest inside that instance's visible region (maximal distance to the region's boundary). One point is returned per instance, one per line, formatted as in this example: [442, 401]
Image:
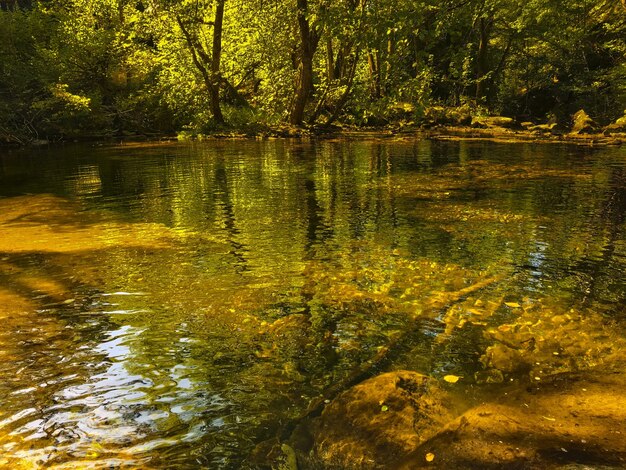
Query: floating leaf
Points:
[430, 457]
[451, 378]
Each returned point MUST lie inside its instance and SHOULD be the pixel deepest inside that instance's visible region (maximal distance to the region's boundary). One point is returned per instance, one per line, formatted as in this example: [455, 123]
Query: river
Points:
[173, 305]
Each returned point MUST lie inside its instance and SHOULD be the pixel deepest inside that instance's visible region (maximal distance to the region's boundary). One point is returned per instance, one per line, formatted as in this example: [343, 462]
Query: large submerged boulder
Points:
[377, 422]
[572, 420]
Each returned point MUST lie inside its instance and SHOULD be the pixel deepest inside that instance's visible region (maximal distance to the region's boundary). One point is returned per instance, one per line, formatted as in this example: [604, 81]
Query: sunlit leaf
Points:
[451, 378]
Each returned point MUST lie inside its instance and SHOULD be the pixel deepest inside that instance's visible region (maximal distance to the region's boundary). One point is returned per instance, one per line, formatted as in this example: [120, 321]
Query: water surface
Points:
[173, 305]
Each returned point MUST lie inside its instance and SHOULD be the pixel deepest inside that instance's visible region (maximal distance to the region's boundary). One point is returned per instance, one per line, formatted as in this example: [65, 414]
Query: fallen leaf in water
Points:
[430, 457]
[451, 378]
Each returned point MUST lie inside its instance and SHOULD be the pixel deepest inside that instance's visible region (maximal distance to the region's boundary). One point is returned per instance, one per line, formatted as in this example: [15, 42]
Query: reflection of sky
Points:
[97, 407]
[128, 404]
[536, 259]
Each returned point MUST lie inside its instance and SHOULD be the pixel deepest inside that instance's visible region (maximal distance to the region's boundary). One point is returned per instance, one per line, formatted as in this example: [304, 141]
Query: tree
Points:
[309, 36]
[194, 19]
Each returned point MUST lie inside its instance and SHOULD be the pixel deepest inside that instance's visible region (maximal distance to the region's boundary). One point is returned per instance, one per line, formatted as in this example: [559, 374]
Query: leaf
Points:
[452, 379]
[384, 408]
[512, 304]
[430, 457]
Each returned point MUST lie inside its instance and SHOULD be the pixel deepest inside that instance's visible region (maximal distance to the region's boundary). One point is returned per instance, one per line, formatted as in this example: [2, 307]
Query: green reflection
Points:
[175, 305]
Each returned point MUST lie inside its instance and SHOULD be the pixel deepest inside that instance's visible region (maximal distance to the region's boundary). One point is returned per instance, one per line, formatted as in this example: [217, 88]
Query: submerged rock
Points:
[405, 420]
[572, 420]
[377, 422]
[550, 396]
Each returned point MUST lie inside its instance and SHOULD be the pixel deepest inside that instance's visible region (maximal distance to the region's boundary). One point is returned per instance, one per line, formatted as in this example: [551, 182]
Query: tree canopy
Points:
[71, 68]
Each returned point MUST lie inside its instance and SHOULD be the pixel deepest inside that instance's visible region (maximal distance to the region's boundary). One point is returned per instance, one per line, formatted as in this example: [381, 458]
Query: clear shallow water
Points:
[171, 306]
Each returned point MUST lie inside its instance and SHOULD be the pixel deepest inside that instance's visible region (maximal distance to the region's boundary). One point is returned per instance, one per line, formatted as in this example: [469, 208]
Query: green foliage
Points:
[23, 77]
[93, 67]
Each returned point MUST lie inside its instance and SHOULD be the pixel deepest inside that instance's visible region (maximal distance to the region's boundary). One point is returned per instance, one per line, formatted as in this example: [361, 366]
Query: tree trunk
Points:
[373, 61]
[215, 62]
[304, 83]
[348, 89]
[330, 60]
[482, 65]
[208, 65]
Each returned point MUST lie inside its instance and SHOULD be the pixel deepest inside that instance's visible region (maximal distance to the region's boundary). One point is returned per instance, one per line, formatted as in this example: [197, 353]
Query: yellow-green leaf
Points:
[451, 378]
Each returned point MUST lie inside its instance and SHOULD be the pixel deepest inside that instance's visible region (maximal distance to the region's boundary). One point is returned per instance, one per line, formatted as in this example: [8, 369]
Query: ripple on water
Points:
[156, 296]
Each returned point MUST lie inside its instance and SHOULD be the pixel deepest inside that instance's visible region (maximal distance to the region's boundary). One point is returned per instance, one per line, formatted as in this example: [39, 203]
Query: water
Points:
[174, 305]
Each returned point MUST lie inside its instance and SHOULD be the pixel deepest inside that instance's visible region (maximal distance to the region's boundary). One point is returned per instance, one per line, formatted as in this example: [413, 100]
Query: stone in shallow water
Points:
[378, 421]
[565, 423]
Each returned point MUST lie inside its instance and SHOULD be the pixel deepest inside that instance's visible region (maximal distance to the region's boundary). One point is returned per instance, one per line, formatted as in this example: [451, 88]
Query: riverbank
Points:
[438, 133]
[511, 136]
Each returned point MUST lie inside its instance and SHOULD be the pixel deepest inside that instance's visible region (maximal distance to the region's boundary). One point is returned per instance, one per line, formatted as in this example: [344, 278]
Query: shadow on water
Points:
[173, 306]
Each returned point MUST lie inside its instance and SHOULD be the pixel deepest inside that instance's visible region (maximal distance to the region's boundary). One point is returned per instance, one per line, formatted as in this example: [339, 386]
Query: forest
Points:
[84, 69]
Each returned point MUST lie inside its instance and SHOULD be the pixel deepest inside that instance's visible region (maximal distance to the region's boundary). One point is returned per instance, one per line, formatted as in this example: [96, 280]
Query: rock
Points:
[572, 420]
[506, 359]
[289, 324]
[489, 376]
[378, 421]
[543, 128]
[288, 336]
[618, 127]
[491, 122]
[583, 124]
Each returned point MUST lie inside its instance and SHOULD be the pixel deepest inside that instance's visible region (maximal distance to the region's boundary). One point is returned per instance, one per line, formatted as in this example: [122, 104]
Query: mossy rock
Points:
[583, 124]
[491, 122]
[572, 420]
[543, 128]
[618, 127]
[378, 421]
